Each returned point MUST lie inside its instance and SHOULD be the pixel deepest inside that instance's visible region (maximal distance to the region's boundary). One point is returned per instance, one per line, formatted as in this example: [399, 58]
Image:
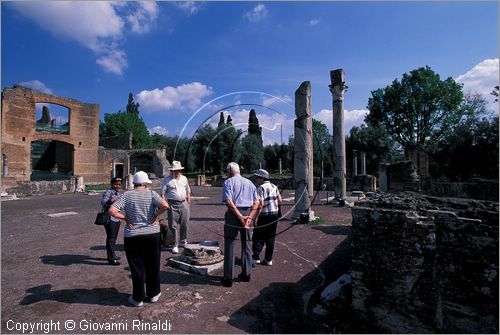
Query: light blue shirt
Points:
[240, 190]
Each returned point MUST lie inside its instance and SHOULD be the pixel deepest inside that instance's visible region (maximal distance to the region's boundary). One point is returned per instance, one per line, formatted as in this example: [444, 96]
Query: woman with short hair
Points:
[140, 209]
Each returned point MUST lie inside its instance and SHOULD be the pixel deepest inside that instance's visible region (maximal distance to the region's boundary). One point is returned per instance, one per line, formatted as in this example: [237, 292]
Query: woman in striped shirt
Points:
[140, 208]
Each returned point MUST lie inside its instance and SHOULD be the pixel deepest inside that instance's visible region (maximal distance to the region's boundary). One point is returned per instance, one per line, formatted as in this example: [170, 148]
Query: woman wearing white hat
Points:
[176, 191]
[140, 208]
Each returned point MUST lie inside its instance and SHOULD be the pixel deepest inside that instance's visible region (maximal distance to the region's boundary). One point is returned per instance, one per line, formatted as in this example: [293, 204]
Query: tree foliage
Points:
[125, 122]
[252, 156]
[495, 93]
[419, 109]
[132, 107]
[377, 145]
[322, 149]
[470, 148]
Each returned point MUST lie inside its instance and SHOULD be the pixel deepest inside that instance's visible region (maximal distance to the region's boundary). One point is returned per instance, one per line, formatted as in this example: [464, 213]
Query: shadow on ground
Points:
[96, 296]
[287, 307]
[65, 260]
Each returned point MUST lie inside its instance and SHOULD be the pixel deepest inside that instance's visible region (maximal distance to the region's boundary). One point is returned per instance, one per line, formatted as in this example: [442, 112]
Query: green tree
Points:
[470, 148]
[221, 120]
[495, 93]
[322, 149]
[132, 107]
[158, 141]
[253, 124]
[253, 149]
[252, 155]
[123, 122]
[419, 109]
[204, 156]
[377, 145]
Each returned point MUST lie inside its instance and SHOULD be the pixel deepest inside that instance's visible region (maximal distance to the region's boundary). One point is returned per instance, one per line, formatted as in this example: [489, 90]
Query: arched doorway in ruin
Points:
[51, 160]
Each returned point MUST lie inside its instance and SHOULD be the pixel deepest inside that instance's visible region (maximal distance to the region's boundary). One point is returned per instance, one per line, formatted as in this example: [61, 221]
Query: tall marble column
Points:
[337, 88]
[303, 150]
[363, 162]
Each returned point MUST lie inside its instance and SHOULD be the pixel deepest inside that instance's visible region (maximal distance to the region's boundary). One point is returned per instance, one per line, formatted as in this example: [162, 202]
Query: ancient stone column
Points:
[363, 162]
[337, 88]
[303, 150]
[354, 163]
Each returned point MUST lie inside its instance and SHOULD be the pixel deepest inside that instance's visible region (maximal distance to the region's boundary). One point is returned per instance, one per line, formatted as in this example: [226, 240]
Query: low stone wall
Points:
[426, 264]
[475, 188]
[29, 188]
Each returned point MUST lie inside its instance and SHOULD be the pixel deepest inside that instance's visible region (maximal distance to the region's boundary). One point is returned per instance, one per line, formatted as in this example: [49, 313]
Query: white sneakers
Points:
[155, 298]
[183, 244]
[135, 303]
[175, 250]
[264, 262]
[140, 303]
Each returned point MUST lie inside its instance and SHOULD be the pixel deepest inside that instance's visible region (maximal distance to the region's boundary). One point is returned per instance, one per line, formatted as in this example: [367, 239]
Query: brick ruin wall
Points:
[18, 131]
[424, 264]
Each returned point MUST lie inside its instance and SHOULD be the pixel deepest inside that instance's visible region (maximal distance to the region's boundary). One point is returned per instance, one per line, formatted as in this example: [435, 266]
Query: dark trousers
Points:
[143, 256]
[264, 234]
[112, 229]
[231, 228]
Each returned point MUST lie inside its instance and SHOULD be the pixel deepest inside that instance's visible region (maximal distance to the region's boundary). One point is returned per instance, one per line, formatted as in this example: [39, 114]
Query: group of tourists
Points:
[141, 209]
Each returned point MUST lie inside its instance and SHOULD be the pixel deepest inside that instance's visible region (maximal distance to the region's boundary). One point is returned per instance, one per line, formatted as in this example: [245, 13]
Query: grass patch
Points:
[317, 221]
[96, 187]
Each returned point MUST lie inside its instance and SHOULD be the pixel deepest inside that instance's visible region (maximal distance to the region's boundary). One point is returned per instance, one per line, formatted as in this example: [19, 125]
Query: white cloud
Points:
[183, 97]
[481, 79]
[37, 85]
[257, 13]
[158, 130]
[114, 61]
[190, 7]
[314, 22]
[269, 101]
[352, 118]
[144, 17]
[96, 25]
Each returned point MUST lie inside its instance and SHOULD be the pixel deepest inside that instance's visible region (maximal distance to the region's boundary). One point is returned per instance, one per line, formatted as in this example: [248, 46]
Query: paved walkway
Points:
[55, 274]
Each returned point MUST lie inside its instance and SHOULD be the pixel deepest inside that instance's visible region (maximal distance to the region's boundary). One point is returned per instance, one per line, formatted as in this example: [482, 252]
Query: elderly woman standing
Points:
[140, 208]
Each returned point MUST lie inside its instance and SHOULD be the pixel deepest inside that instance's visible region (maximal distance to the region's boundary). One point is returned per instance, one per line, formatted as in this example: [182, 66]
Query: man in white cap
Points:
[264, 232]
[176, 191]
[240, 196]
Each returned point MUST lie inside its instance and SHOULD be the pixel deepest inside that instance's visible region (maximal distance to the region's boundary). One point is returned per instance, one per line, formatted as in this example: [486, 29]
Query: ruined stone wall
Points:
[123, 141]
[18, 131]
[365, 183]
[108, 158]
[399, 176]
[426, 264]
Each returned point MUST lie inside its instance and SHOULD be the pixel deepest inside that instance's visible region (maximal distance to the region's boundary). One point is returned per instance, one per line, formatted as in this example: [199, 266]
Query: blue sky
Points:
[184, 61]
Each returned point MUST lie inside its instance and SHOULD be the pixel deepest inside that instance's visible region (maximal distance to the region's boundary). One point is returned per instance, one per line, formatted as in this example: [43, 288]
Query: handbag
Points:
[102, 218]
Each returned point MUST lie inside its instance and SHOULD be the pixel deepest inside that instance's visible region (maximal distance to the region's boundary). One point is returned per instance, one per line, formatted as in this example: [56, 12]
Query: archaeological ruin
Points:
[40, 156]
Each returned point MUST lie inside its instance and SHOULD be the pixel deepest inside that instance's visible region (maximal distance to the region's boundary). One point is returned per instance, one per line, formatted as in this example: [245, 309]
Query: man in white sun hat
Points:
[176, 191]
